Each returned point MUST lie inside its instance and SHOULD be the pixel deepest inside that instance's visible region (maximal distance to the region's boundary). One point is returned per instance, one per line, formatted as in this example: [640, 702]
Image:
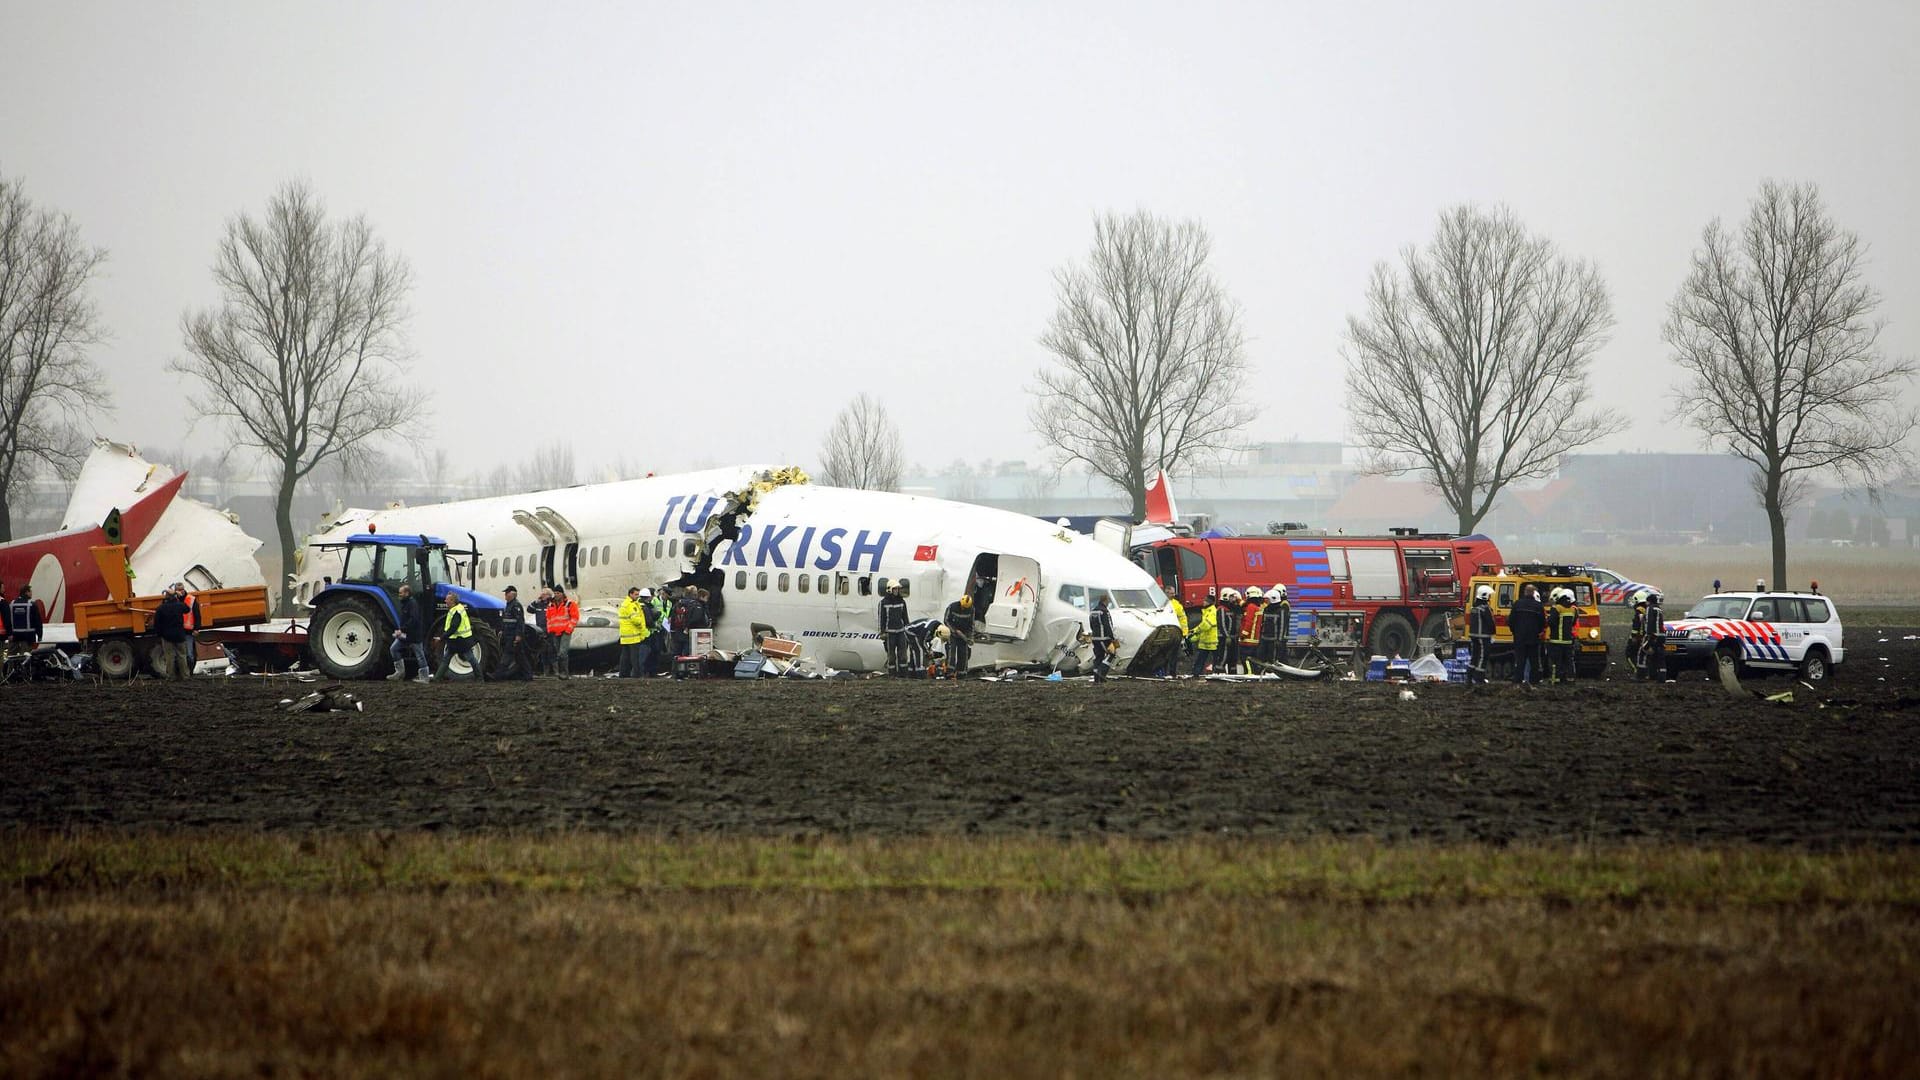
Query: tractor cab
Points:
[355, 616]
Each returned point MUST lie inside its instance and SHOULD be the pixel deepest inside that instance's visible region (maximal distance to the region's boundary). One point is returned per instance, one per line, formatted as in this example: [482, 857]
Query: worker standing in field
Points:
[1252, 621]
[409, 638]
[542, 641]
[1561, 622]
[1527, 619]
[1205, 636]
[563, 614]
[26, 617]
[1278, 616]
[1651, 661]
[1226, 616]
[633, 635]
[1100, 630]
[893, 628]
[513, 636]
[170, 658]
[1172, 666]
[959, 623]
[456, 632]
[1479, 633]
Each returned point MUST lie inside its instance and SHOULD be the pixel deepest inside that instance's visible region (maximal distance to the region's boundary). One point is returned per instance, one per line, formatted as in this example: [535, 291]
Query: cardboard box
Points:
[779, 648]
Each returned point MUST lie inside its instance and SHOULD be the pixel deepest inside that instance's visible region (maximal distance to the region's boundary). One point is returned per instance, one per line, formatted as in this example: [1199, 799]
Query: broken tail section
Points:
[1160, 506]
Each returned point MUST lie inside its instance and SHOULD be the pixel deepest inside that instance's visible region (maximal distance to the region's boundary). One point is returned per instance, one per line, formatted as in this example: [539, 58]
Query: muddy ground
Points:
[1606, 761]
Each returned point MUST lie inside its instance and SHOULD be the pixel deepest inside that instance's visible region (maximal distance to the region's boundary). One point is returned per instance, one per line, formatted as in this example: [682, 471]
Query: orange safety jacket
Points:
[1250, 623]
[192, 619]
[563, 617]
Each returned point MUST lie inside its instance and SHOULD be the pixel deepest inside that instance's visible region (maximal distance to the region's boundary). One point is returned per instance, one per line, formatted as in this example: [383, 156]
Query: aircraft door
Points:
[544, 536]
[569, 540]
[1016, 598]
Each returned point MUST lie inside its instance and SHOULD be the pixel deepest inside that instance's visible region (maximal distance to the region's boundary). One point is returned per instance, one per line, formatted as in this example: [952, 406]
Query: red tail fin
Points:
[1160, 509]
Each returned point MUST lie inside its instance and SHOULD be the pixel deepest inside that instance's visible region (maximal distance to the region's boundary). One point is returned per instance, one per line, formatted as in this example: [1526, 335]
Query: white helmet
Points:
[1253, 592]
[1277, 590]
[1484, 592]
[1640, 597]
[1230, 595]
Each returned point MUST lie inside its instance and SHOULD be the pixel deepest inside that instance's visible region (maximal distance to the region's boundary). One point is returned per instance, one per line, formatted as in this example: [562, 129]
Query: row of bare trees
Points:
[1469, 364]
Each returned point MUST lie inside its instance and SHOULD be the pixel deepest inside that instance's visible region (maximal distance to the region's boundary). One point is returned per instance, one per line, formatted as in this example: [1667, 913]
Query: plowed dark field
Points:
[1607, 760]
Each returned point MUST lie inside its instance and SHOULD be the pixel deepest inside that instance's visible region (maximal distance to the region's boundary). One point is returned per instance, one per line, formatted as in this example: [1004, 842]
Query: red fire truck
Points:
[1404, 585]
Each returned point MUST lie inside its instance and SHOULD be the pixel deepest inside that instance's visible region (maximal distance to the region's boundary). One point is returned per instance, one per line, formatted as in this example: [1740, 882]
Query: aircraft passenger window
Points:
[804, 582]
[843, 585]
[691, 549]
[493, 568]
[760, 582]
[823, 588]
[739, 581]
[519, 564]
[883, 584]
[783, 583]
[673, 549]
[1075, 595]
[630, 551]
[659, 548]
[906, 587]
[866, 585]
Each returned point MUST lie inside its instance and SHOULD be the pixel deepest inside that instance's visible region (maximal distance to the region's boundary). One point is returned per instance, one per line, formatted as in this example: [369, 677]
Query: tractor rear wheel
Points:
[347, 638]
[486, 656]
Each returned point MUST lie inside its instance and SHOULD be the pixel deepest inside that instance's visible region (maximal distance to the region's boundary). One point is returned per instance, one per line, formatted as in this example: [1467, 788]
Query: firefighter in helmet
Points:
[1251, 620]
[1278, 615]
[1562, 622]
[1479, 633]
[1227, 618]
[959, 624]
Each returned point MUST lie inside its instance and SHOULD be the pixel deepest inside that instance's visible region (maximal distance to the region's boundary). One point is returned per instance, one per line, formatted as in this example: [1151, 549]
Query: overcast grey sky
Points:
[692, 232]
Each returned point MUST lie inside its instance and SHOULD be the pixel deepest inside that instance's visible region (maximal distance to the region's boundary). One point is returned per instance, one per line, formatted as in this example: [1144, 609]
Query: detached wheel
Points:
[117, 658]
[1392, 635]
[1815, 666]
[348, 638]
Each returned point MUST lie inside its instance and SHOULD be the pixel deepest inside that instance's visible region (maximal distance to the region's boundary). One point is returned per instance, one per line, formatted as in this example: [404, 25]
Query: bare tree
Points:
[550, 466]
[862, 448]
[1774, 328]
[48, 384]
[1469, 366]
[304, 356]
[1148, 367]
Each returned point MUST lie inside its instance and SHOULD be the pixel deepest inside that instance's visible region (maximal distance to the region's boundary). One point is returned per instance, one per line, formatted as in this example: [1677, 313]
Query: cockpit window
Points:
[1075, 595]
[1147, 599]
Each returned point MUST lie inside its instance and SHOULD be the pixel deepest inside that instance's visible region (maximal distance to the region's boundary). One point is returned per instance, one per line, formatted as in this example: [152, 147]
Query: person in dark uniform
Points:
[1637, 635]
[25, 620]
[1100, 629]
[959, 620]
[409, 638]
[893, 628]
[1226, 615]
[1527, 619]
[171, 658]
[513, 636]
[1479, 633]
[1562, 621]
[542, 642]
[1654, 629]
[1279, 619]
[920, 634]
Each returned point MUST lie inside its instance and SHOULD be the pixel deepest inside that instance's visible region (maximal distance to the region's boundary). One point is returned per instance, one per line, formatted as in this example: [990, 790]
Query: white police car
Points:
[1760, 631]
[1611, 588]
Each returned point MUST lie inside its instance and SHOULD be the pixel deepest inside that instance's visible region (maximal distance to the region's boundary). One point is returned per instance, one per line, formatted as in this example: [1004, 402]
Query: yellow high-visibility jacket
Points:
[1206, 633]
[633, 621]
[457, 625]
[1179, 612]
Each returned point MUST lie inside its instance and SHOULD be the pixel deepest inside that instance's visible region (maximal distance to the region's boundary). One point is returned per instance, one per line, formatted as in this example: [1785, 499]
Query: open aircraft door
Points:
[1016, 599]
[569, 540]
[544, 536]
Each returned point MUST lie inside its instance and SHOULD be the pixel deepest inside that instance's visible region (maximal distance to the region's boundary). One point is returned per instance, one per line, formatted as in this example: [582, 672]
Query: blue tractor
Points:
[354, 616]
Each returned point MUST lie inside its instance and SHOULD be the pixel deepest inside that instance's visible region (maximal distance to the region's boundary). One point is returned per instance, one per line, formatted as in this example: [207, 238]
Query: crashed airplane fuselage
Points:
[808, 561]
